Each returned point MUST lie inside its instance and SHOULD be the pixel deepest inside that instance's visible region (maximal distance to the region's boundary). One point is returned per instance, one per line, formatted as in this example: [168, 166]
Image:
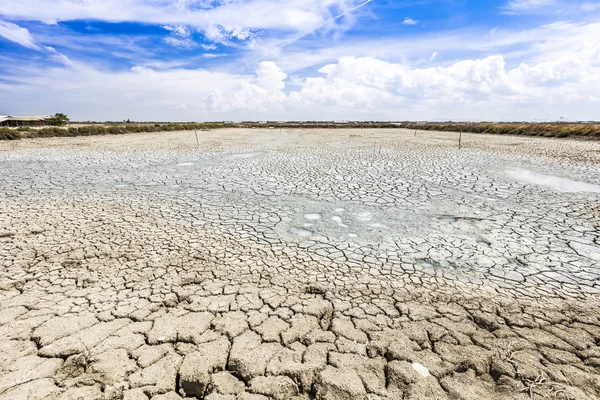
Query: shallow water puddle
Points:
[300, 232]
[554, 182]
[338, 221]
[364, 217]
[312, 217]
[241, 156]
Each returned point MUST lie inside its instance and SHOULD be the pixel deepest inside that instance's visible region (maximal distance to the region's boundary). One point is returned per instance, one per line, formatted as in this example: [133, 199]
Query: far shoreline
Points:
[577, 131]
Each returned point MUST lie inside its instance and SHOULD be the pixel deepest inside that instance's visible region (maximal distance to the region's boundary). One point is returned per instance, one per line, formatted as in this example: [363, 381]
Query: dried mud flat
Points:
[342, 264]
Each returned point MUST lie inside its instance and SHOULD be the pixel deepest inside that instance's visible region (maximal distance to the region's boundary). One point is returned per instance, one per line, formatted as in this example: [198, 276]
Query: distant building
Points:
[31, 120]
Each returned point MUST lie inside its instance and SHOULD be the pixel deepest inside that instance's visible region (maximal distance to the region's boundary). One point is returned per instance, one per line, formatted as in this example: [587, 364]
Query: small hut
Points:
[32, 120]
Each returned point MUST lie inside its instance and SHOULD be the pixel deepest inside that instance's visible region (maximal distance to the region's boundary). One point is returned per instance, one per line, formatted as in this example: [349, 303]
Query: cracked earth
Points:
[257, 264]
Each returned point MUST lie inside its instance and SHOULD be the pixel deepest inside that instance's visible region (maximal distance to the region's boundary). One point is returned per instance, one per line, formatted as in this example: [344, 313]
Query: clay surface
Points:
[342, 264]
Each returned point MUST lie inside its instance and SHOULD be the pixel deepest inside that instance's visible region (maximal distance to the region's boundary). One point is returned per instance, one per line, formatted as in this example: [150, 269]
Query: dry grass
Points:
[527, 129]
[591, 131]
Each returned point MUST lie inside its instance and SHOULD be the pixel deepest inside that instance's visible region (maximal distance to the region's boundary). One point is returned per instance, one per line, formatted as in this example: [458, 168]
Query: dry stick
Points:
[415, 133]
[197, 141]
[459, 139]
[6, 388]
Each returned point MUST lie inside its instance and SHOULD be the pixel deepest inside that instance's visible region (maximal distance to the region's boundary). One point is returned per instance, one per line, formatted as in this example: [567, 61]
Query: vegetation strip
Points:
[527, 129]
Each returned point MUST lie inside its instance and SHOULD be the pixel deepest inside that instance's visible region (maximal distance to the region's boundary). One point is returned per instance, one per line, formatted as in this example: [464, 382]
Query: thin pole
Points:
[197, 141]
[415, 133]
[459, 139]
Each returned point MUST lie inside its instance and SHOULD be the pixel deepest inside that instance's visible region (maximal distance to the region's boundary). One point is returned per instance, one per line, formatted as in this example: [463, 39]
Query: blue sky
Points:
[206, 60]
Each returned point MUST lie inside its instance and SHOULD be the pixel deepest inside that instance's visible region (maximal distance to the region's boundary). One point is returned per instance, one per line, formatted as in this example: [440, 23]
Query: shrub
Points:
[59, 119]
[115, 130]
[544, 130]
[9, 134]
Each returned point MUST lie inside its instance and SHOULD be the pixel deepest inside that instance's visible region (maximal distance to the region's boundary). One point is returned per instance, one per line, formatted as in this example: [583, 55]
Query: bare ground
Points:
[340, 264]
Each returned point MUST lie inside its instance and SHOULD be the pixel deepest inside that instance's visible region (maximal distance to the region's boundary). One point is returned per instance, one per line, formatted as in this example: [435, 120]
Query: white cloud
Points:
[351, 88]
[549, 6]
[180, 36]
[525, 5]
[589, 6]
[262, 95]
[409, 21]
[178, 30]
[218, 20]
[19, 35]
[213, 55]
[270, 77]
[433, 56]
[529, 74]
[366, 82]
[22, 36]
[537, 44]
[180, 42]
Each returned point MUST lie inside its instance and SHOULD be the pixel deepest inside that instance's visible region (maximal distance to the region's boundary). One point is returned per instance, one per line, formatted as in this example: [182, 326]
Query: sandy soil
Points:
[342, 264]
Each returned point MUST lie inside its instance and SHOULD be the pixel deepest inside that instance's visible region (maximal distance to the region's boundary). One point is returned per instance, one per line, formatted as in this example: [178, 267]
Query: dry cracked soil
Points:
[258, 264]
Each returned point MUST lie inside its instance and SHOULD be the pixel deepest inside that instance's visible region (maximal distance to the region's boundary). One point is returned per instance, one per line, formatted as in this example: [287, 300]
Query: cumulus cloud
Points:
[351, 88]
[19, 35]
[263, 94]
[270, 77]
[366, 82]
[560, 76]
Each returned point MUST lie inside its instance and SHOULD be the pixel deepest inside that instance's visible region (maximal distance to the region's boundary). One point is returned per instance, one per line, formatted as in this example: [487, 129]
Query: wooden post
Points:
[415, 133]
[197, 141]
[459, 140]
